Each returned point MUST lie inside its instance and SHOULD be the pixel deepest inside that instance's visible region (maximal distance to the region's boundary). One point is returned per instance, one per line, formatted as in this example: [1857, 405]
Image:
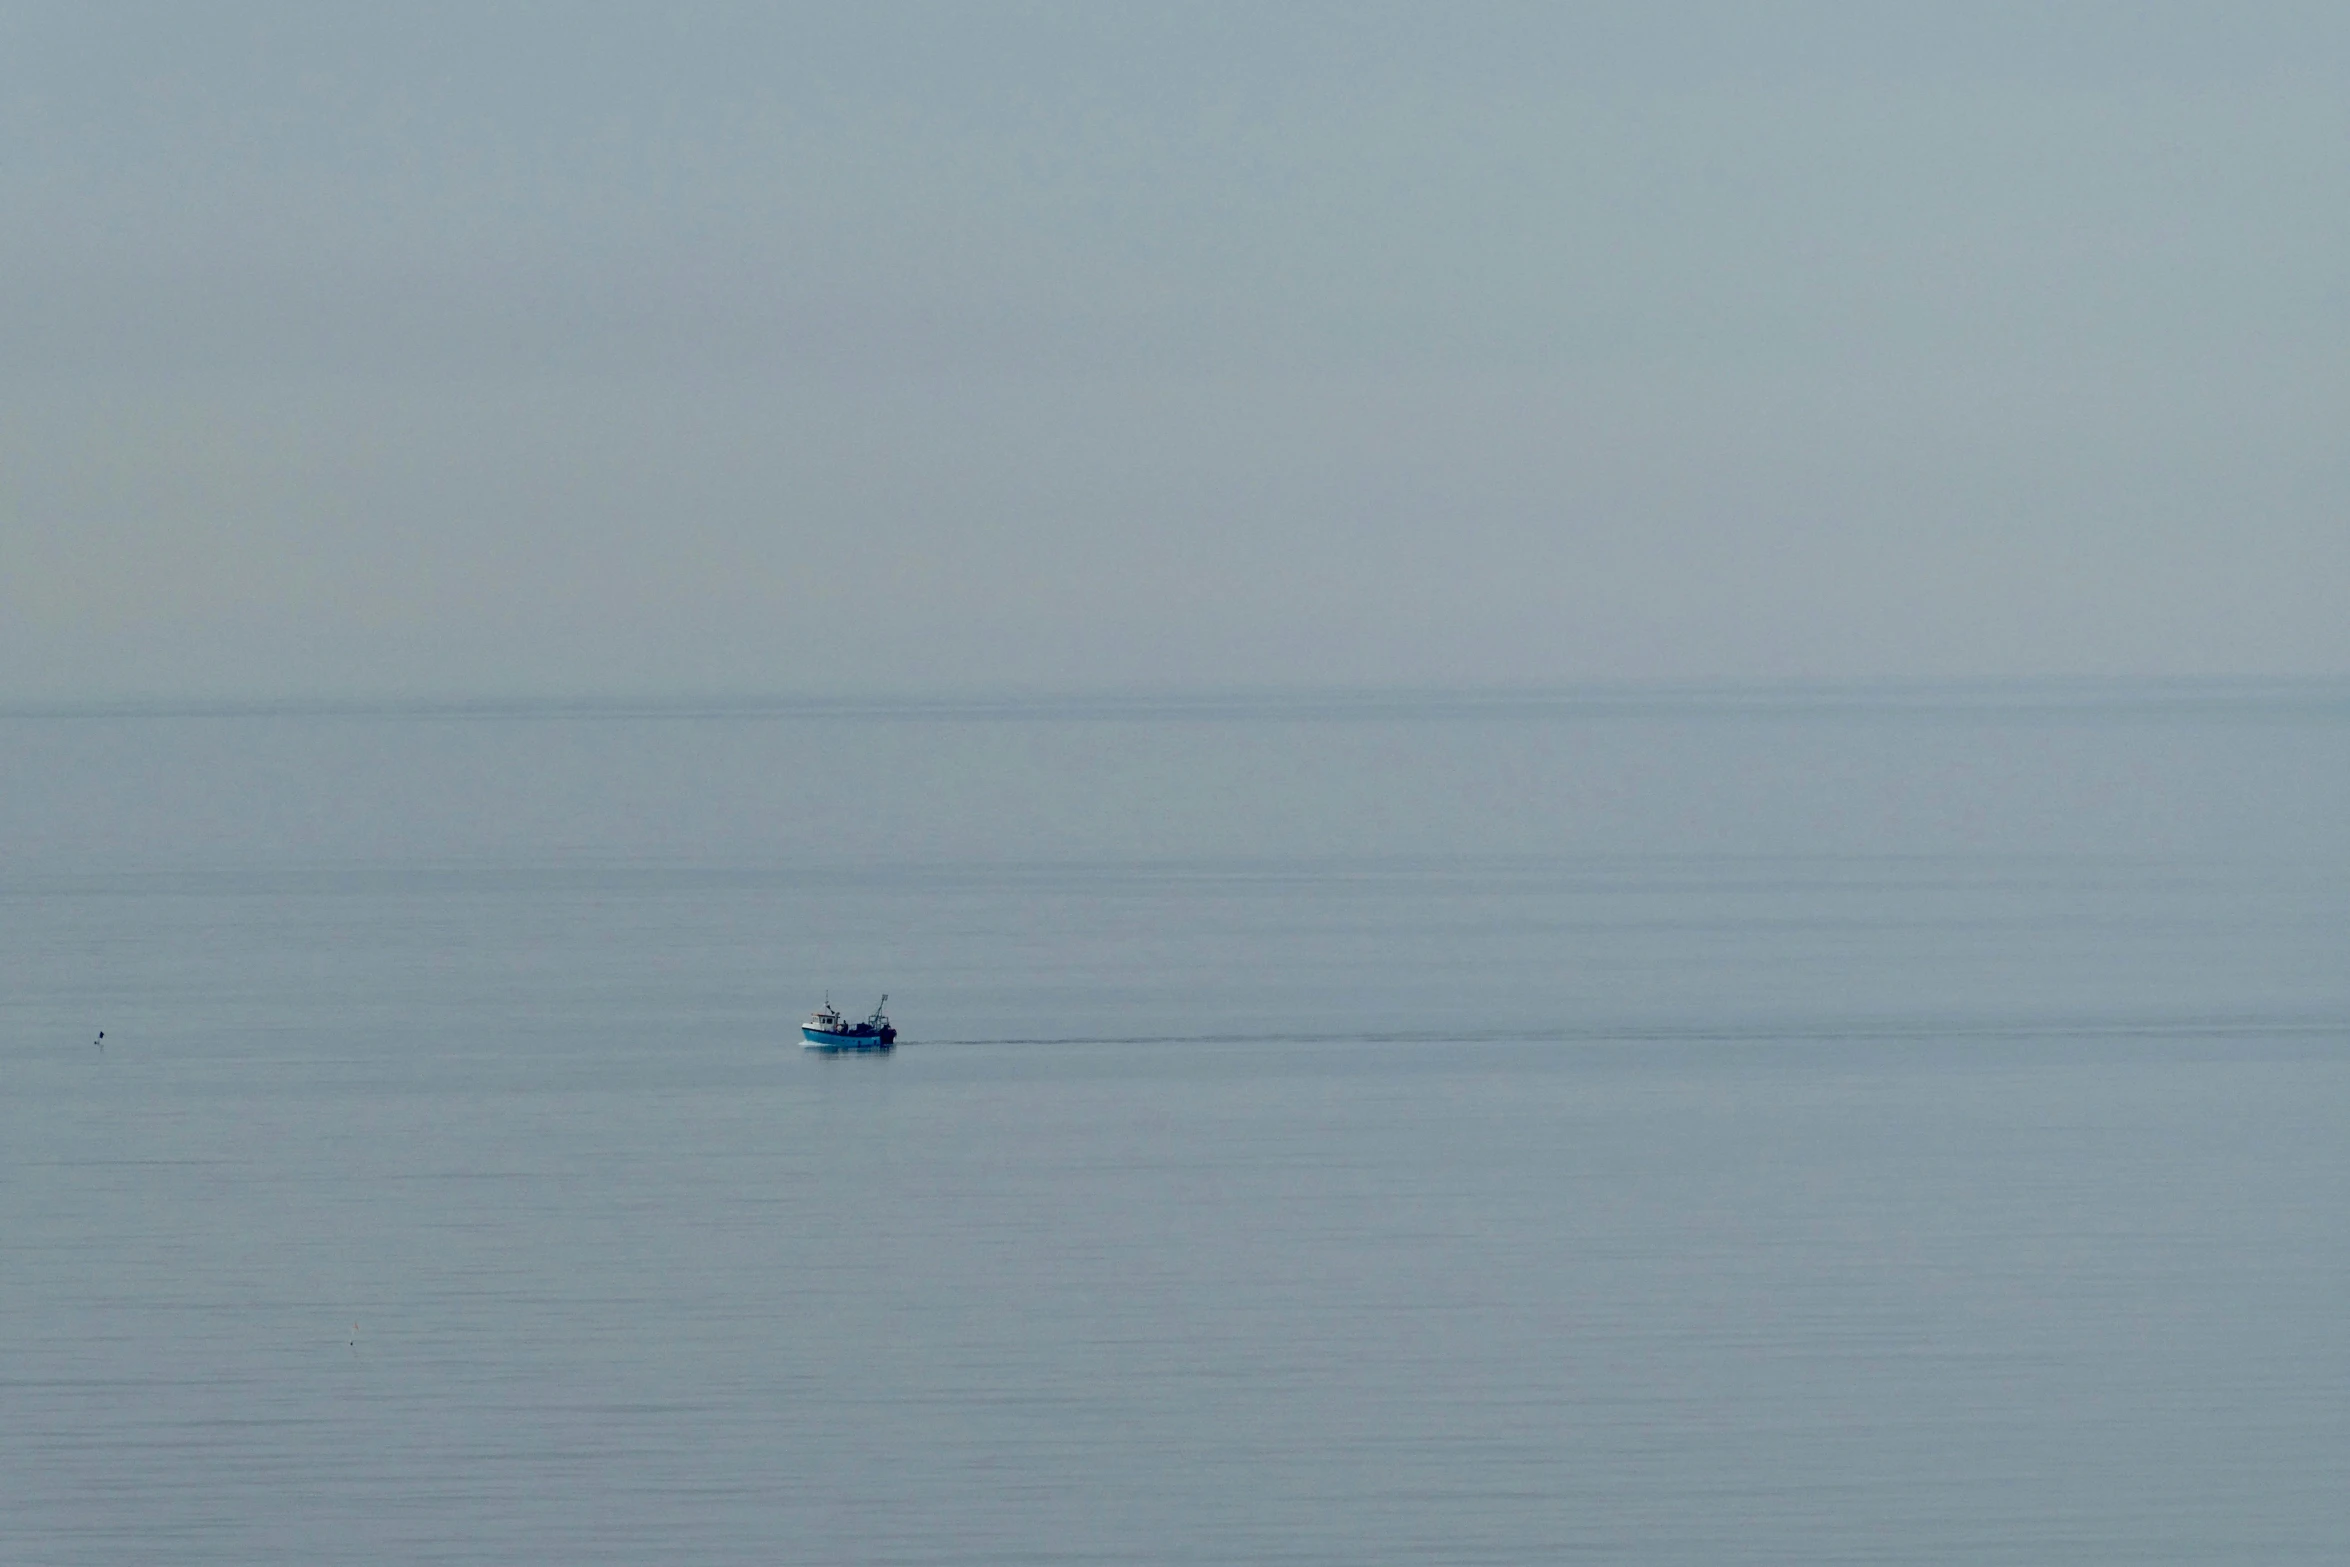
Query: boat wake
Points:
[1824, 1032]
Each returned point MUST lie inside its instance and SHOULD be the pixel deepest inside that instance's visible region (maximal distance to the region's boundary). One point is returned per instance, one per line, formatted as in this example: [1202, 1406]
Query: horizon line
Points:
[2007, 694]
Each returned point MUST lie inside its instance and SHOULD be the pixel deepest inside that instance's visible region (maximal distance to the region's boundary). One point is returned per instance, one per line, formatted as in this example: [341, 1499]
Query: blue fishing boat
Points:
[828, 1030]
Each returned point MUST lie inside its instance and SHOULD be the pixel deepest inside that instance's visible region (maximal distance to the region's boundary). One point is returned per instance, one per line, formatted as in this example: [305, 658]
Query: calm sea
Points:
[1670, 1127]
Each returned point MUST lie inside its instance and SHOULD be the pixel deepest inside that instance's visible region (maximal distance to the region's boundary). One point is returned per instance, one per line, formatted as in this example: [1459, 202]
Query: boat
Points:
[827, 1030]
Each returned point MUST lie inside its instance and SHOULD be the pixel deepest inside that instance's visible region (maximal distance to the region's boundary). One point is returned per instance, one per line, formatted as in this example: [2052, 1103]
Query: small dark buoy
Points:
[100, 1041]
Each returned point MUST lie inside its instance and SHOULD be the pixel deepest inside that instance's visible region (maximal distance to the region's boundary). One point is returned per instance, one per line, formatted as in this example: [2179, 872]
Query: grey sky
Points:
[439, 348]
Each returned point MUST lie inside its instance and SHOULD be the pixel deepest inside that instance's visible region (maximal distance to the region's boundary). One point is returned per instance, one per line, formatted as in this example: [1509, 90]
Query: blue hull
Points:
[818, 1039]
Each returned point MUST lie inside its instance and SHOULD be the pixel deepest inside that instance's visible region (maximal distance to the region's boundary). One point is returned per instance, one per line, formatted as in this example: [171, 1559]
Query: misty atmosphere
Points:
[1010, 783]
[522, 349]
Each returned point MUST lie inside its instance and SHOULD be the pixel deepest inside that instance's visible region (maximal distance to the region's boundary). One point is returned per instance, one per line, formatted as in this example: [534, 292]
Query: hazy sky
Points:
[438, 348]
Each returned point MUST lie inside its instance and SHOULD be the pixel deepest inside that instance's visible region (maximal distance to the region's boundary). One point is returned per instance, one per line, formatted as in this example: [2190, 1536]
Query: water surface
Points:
[1782, 1131]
